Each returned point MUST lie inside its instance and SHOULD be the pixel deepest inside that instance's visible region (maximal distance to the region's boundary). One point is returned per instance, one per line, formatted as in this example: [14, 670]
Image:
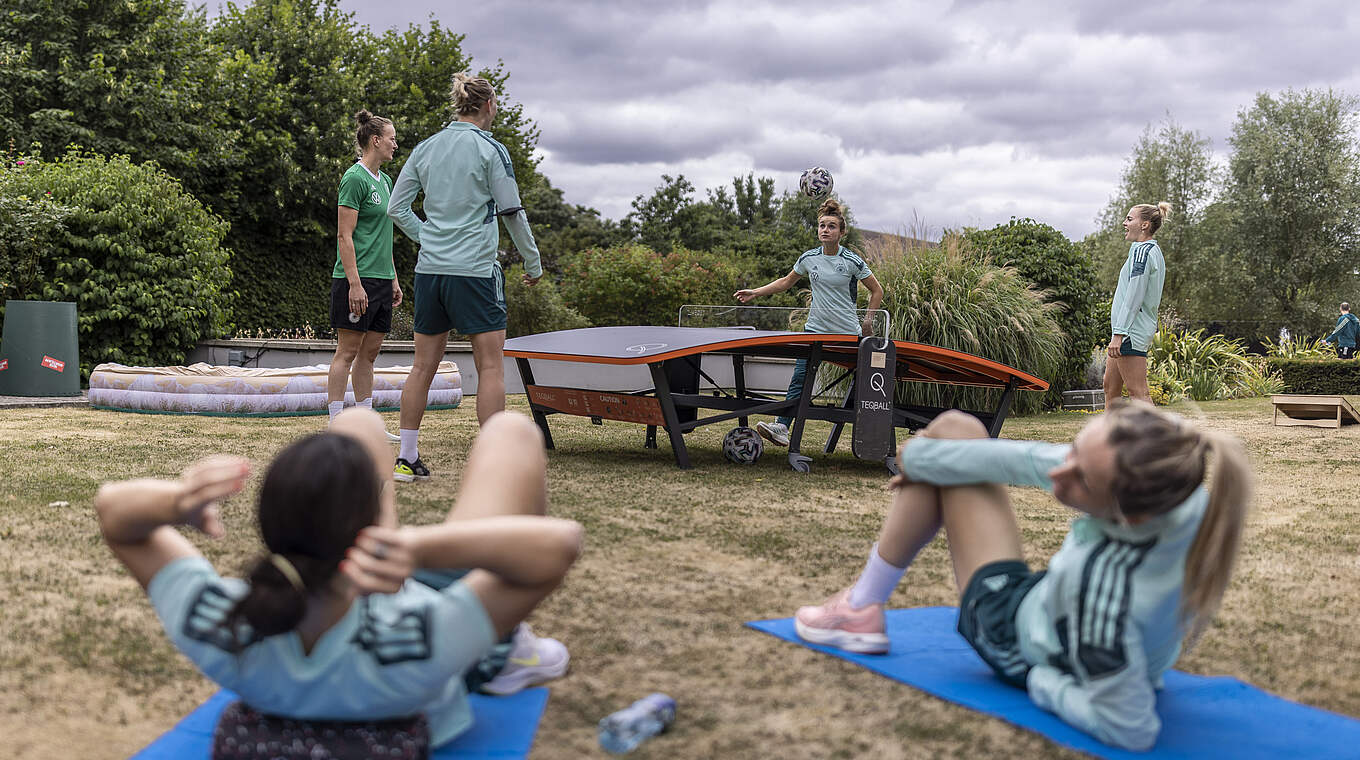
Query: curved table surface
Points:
[631, 345]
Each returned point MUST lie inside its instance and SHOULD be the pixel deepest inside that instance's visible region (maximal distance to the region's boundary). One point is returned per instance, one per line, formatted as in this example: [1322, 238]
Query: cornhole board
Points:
[1314, 411]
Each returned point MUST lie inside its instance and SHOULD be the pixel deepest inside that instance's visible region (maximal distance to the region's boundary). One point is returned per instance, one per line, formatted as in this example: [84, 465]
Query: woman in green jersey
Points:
[364, 287]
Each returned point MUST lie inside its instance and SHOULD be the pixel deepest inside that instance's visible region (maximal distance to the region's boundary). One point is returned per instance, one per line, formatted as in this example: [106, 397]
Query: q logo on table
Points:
[643, 348]
[876, 382]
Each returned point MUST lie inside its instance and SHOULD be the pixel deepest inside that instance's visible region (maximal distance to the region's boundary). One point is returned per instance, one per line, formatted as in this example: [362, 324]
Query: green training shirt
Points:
[835, 283]
[370, 196]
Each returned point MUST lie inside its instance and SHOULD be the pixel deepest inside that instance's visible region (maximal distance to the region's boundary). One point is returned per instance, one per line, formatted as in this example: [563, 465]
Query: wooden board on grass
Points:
[1314, 411]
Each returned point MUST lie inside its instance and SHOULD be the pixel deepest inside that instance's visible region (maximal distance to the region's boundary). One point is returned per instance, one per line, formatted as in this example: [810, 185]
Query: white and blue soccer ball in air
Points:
[815, 182]
[743, 445]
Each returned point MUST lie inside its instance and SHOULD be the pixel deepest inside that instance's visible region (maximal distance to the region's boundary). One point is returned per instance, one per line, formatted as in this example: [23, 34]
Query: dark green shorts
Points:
[465, 305]
[1126, 348]
[987, 616]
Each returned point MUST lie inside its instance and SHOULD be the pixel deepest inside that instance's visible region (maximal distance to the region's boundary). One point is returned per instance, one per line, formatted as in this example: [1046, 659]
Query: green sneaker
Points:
[405, 471]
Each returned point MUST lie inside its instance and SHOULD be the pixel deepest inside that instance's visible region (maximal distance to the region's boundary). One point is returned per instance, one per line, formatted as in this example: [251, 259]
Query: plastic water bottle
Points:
[631, 726]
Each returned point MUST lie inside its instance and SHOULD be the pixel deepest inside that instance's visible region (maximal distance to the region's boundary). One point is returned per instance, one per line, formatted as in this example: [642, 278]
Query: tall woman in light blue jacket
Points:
[1142, 569]
[1133, 315]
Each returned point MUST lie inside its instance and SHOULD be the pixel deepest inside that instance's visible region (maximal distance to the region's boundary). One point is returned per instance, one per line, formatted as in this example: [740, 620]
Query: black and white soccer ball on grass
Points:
[815, 182]
[743, 445]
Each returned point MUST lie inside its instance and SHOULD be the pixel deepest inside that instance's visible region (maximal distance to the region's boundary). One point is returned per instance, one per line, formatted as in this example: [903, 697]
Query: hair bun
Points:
[1165, 208]
[363, 116]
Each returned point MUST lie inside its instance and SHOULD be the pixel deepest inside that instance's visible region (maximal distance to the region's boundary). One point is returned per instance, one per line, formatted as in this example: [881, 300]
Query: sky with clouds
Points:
[927, 112]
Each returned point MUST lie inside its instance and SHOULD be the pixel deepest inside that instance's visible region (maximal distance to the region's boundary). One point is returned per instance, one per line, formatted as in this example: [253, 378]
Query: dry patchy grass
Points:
[676, 562]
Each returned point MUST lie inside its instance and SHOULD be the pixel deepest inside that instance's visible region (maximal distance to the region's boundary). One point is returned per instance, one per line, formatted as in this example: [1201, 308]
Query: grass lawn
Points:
[675, 562]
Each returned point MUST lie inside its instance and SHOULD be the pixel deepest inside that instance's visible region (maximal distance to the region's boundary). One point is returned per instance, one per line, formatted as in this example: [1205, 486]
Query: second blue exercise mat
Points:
[502, 728]
[1201, 716]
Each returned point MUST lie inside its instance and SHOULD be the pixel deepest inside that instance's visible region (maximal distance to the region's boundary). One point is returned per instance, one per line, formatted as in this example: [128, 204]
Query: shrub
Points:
[1208, 367]
[1323, 377]
[30, 225]
[142, 259]
[1066, 275]
[1299, 348]
[536, 309]
[950, 297]
[633, 285]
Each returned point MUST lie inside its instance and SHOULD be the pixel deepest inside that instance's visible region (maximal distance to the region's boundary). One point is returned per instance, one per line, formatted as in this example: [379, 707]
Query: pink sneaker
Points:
[836, 624]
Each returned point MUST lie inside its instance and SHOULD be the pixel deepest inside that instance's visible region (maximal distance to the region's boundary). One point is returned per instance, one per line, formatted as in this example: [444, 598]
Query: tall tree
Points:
[116, 77]
[1168, 163]
[1295, 188]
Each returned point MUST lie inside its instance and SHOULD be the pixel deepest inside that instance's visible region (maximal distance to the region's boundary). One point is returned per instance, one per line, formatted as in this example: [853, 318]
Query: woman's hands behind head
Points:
[204, 485]
[380, 561]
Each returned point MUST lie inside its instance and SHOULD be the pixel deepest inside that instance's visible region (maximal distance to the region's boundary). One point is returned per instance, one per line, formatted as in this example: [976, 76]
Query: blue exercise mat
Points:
[503, 727]
[1201, 716]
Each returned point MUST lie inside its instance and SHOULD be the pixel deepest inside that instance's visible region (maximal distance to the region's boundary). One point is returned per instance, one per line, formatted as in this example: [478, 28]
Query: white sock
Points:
[366, 403]
[409, 451]
[877, 582]
[335, 408]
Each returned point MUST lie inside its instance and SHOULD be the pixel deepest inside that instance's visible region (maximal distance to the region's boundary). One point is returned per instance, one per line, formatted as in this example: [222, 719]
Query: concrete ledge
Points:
[29, 402]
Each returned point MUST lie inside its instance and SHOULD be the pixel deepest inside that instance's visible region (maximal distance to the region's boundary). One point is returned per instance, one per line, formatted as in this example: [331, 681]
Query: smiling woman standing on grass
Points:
[1133, 315]
[1142, 570]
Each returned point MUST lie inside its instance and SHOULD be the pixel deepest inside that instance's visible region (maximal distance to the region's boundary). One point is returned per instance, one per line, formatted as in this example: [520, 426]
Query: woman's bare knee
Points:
[956, 424]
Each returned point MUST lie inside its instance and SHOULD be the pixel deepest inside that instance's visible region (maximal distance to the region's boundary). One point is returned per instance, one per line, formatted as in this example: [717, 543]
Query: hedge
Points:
[1318, 376]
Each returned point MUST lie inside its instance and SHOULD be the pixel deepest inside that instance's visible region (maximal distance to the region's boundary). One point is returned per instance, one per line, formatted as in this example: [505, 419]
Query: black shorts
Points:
[1345, 352]
[1126, 348]
[378, 317]
[987, 616]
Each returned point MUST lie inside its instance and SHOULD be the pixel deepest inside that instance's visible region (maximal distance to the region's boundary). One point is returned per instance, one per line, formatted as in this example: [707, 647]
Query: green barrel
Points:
[39, 355]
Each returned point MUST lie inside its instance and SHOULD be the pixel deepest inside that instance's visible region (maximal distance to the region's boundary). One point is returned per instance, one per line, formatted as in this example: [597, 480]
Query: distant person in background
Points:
[1346, 334]
[468, 183]
[1133, 315]
[835, 273]
[364, 287]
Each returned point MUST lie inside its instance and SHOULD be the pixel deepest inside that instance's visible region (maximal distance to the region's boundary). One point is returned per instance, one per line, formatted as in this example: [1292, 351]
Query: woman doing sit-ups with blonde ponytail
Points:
[1141, 570]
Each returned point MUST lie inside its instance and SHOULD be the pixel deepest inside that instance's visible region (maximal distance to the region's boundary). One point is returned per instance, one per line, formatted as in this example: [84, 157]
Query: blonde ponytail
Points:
[1210, 562]
[1153, 215]
[1160, 460]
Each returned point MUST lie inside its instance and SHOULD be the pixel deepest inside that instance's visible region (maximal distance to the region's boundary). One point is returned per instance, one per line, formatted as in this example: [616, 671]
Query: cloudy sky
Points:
[947, 113]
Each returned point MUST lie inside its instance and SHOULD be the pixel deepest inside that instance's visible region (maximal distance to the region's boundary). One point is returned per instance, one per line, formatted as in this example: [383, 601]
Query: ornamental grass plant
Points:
[953, 297]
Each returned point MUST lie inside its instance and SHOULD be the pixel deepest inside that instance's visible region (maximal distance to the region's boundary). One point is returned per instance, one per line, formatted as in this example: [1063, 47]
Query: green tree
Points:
[1295, 188]
[1064, 274]
[131, 78]
[1173, 164]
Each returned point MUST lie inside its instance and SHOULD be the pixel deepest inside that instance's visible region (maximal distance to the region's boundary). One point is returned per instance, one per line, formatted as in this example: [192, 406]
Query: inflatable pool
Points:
[237, 391]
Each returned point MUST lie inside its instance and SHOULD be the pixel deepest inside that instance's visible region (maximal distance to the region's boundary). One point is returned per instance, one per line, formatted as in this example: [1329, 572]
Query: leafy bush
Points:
[1324, 377]
[536, 309]
[142, 259]
[1065, 274]
[633, 285]
[951, 297]
[1163, 388]
[29, 227]
[1208, 367]
[1299, 348]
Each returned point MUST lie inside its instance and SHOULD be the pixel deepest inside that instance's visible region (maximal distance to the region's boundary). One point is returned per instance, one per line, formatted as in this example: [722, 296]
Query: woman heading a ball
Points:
[836, 274]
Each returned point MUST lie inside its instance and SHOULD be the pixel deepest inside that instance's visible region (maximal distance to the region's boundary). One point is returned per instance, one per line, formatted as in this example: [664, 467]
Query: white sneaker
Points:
[774, 432]
[532, 661]
[392, 438]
